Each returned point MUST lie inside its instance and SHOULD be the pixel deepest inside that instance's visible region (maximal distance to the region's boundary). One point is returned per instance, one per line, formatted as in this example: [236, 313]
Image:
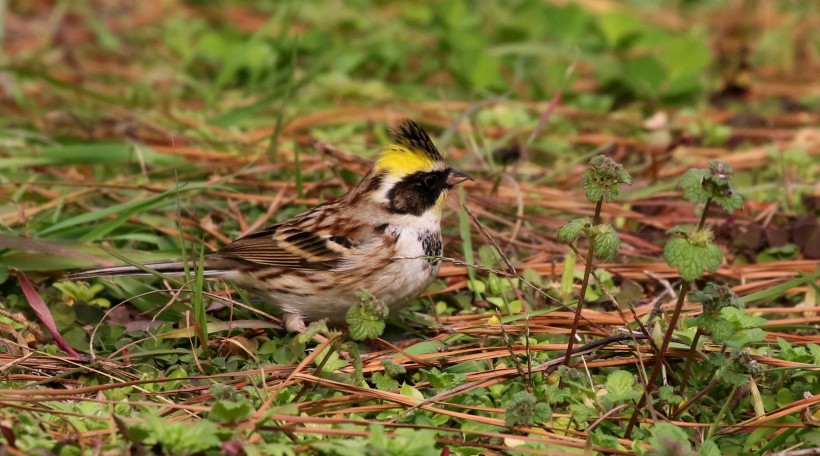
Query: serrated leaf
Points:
[366, 319]
[594, 191]
[364, 329]
[606, 242]
[443, 380]
[718, 328]
[556, 395]
[698, 185]
[620, 386]
[691, 184]
[719, 185]
[733, 378]
[524, 409]
[785, 346]
[667, 394]
[730, 202]
[384, 383]
[580, 412]
[604, 179]
[177, 437]
[715, 297]
[543, 412]
[570, 232]
[814, 349]
[740, 319]
[692, 260]
[392, 368]
[745, 337]
[230, 411]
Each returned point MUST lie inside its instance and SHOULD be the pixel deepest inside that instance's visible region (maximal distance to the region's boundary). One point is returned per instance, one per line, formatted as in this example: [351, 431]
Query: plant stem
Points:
[689, 357]
[659, 359]
[667, 338]
[722, 412]
[584, 284]
[711, 375]
[705, 212]
[694, 399]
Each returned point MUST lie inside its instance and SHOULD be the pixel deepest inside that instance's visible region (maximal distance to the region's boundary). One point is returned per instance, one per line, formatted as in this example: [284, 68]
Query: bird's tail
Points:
[175, 267]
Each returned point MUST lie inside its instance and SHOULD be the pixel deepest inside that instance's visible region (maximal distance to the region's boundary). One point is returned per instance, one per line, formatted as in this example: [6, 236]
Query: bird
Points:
[383, 237]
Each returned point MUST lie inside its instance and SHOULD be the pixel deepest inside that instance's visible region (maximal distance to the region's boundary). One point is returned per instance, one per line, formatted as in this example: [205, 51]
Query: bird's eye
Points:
[430, 181]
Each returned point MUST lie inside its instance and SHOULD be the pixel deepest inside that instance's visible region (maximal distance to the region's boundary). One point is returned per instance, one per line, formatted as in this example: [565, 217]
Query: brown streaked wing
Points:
[289, 247]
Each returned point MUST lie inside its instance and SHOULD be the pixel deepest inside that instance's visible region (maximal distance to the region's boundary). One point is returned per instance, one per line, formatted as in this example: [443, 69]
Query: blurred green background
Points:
[246, 64]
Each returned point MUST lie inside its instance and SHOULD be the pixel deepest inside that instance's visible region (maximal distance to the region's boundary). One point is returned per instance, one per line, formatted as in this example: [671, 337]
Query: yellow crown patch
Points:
[413, 151]
[400, 161]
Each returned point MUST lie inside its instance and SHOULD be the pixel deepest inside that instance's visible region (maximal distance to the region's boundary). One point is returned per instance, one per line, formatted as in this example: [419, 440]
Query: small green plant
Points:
[524, 410]
[230, 406]
[714, 299]
[499, 291]
[386, 381]
[620, 387]
[602, 182]
[402, 442]
[367, 319]
[692, 251]
[711, 185]
[725, 322]
[443, 380]
[82, 292]
[177, 437]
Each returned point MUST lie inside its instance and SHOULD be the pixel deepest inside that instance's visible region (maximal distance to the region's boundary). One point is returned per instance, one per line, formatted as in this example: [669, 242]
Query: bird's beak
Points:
[456, 177]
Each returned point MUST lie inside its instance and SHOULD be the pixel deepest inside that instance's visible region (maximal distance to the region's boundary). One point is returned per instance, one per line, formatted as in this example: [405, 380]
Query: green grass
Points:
[135, 133]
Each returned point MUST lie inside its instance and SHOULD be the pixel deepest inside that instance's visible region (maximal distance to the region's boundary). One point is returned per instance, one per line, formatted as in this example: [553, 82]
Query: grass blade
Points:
[200, 315]
[130, 207]
[41, 309]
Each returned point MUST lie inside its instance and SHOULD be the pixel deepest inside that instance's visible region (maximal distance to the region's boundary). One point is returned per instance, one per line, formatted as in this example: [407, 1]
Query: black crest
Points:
[410, 134]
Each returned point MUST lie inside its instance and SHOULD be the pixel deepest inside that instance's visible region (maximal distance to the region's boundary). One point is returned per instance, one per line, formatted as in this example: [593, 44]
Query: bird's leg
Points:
[294, 323]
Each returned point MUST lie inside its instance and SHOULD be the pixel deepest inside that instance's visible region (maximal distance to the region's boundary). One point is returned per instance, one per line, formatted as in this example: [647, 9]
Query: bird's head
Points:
[410, 176]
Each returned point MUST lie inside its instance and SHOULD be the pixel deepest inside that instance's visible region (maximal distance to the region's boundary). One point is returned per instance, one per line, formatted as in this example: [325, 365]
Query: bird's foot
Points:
[294, 323]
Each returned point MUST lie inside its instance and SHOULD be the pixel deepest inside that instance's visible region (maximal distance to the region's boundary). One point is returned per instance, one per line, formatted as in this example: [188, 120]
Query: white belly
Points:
[404, 279]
